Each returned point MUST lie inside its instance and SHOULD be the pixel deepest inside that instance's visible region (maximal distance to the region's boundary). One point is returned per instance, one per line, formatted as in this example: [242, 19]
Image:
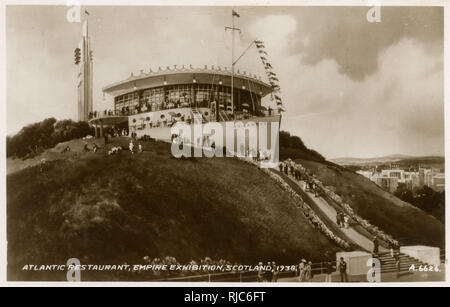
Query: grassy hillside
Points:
[117, 209]
[405, 222]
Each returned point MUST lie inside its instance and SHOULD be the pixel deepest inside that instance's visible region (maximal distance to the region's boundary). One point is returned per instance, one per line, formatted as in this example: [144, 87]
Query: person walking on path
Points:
[339, 219]
[343, 270]
[346, 219]
[375, 245]
[391, 248]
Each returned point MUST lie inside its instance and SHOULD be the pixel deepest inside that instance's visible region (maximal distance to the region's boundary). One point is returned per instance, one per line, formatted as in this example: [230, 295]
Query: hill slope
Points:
[116, 209]
[403, 221]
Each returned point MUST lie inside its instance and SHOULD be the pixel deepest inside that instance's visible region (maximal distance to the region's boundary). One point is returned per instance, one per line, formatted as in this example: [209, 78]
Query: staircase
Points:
[388, 263]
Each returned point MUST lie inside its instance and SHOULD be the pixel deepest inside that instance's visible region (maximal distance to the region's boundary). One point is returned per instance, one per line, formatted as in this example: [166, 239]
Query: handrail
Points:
[314, 268]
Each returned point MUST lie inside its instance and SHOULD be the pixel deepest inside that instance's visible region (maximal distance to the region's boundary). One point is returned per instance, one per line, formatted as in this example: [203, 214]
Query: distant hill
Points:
[390, 158]
[406, 223]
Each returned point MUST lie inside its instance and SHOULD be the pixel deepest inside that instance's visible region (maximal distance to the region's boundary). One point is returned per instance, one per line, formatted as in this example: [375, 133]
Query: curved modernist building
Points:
[159, 99]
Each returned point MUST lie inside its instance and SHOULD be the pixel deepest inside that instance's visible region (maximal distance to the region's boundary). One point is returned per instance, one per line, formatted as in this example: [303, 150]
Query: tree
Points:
[34, 138]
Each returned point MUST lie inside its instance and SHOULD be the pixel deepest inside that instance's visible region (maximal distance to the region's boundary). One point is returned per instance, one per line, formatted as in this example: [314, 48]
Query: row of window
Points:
[182, 96]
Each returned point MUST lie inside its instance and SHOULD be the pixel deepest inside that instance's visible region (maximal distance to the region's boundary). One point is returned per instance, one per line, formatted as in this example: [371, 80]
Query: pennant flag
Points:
[258, 42]
[262, 51]
[275, 78]
[233, 13]
[86, 12]
[268, 65]
[263, 58]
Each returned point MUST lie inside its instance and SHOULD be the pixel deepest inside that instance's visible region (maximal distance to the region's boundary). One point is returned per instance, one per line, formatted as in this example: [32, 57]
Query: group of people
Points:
[304, 271]
[342, 219]
[291, 170]
[131, 147]
[268, 275]
[169, 260]
[331, 267]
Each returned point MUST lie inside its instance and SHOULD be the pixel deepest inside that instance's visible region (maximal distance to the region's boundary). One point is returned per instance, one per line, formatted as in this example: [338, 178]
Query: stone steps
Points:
[389, 264]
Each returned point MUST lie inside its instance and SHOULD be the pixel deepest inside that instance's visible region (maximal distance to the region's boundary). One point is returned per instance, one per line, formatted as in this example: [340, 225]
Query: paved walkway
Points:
[331, 213]
[385, 277]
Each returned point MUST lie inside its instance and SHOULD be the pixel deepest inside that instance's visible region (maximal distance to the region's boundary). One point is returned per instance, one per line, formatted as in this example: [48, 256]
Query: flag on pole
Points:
[233, 13]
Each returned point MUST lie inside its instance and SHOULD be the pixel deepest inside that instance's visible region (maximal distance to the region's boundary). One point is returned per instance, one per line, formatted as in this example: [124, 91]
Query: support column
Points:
[101, 129]
[96, 133]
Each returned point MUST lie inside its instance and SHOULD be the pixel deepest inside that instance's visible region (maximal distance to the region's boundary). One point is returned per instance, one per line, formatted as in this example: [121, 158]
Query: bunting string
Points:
[271, 75]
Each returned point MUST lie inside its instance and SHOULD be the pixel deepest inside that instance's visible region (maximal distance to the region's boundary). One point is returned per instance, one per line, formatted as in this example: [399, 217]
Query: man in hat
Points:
[302, 270]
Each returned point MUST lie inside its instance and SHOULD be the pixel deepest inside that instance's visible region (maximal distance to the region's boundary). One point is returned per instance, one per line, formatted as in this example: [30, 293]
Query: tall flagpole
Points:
[232, 28]
[232, 64]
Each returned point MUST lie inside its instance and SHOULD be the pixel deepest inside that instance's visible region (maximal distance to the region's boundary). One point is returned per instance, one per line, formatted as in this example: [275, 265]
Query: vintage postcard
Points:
[223, 142]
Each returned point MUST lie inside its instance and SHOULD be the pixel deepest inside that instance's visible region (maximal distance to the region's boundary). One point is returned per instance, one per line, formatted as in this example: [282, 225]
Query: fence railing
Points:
[248, 276]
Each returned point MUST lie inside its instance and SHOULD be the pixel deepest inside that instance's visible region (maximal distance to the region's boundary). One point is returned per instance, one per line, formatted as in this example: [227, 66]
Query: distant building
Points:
[438, 182]
[397, 173]
[389, 179]
[389, 184]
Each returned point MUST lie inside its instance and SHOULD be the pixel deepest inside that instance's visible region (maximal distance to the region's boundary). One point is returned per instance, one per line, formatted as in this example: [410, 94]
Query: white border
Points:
[3, 243]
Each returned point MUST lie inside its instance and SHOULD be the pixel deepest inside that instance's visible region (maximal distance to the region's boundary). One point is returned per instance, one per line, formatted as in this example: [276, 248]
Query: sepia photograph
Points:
[210, 143]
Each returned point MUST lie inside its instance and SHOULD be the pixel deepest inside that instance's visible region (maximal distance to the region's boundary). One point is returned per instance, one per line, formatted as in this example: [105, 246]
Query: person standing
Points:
[397, 264]
[308, 274]
[343, 270]
[328, 271]
[131, 146]
[260, 272]
[275, 272]
[269, 272]
[301, 270]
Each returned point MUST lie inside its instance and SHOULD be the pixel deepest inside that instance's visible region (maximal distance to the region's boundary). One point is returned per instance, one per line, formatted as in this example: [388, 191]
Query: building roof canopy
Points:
[187, 76]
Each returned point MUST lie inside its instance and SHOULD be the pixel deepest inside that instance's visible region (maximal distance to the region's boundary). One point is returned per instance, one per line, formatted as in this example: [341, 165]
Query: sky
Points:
[351, 88]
